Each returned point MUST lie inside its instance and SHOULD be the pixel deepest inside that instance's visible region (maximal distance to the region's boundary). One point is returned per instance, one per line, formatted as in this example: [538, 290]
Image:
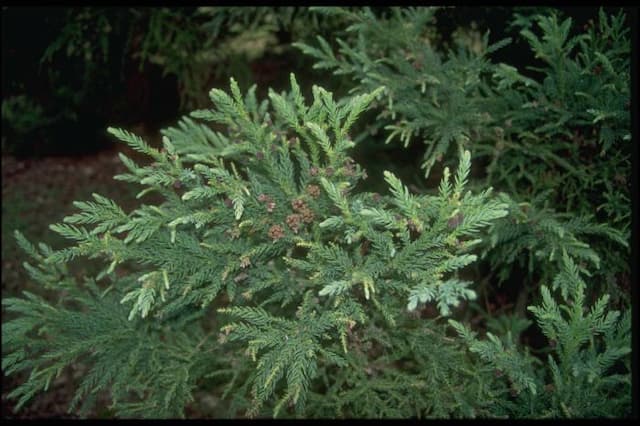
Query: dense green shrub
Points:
[271, 275]
[267, 216]
[321, 280]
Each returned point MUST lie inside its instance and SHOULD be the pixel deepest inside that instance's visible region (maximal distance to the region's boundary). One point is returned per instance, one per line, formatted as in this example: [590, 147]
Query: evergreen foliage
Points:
[534, 236]
[540, 133]
[265, 223]
[432, 95]
[579, 106]
[269, 274]
[587, 371]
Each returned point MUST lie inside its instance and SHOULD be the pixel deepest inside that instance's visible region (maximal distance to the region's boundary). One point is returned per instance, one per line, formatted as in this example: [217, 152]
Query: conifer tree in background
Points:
[540, 139]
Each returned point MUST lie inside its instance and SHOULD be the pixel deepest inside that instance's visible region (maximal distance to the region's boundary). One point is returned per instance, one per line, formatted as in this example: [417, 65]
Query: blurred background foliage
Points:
[68, 73]
[74, 71]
